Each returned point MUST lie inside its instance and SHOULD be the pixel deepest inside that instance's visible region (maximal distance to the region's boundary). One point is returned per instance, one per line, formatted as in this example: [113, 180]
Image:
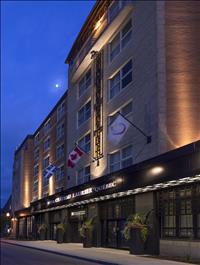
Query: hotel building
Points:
[139, 59]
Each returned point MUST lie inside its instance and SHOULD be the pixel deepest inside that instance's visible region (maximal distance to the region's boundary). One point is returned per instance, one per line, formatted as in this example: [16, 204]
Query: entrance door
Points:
[115, 238]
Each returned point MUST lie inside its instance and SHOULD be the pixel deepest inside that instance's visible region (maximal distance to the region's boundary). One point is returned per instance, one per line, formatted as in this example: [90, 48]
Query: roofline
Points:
[91, 15]
[50, 113]
[29, 136]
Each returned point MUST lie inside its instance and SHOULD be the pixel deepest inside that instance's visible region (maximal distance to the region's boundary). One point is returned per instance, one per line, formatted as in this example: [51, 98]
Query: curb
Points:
[62, 254]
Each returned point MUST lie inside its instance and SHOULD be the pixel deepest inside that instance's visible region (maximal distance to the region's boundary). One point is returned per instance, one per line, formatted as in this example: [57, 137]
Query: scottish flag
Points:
[49, 171]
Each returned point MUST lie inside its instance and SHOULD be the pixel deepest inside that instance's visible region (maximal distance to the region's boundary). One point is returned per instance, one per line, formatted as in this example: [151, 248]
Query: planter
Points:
[136, 244]
[87, 240]
[60, 236]
[42, 235]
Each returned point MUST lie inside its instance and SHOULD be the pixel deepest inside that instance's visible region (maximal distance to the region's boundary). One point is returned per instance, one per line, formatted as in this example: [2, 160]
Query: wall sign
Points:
[80, 193]
[78, 213]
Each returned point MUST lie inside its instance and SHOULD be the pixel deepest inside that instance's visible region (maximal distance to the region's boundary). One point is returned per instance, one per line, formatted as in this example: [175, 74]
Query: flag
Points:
[117, 129]
[74, 157]
[49, 171]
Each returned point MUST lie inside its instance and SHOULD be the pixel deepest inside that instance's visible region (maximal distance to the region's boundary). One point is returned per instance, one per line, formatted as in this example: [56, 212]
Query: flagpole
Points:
[148, 137]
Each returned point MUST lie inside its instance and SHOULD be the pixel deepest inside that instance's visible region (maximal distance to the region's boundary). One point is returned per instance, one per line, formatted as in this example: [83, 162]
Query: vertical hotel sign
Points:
[98, 106]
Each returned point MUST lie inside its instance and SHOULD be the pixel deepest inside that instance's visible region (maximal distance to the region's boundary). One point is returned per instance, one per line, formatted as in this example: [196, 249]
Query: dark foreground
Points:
[16, 255]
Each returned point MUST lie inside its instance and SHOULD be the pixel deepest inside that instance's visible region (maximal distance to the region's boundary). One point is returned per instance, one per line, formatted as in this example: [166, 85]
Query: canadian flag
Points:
[74, 157]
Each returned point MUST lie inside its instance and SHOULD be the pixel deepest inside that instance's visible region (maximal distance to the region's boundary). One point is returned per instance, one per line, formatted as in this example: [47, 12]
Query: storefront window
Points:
[180, 213]
[169, 220]
[186, 219]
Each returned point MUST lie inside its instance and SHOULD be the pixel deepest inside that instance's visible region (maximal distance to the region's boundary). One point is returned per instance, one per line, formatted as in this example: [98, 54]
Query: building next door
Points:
[115, 237]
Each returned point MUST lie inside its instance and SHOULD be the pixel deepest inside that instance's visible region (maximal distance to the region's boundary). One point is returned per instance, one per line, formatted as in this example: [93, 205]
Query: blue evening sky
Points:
[36, 37]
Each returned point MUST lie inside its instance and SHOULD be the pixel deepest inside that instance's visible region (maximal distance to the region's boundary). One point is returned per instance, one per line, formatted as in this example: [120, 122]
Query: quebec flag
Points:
[49, 171]
[117, 129]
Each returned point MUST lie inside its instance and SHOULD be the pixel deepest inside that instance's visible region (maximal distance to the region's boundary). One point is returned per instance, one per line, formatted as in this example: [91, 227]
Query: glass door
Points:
[115, 237]
[112, 233]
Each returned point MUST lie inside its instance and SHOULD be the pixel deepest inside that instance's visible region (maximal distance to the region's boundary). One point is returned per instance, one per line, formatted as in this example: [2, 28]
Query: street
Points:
[16, 255]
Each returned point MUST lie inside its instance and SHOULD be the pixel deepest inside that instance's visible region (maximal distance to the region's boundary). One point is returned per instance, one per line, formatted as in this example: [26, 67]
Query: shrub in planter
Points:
[86, 232]
[136, 232]
[42, 231]
[60, 233]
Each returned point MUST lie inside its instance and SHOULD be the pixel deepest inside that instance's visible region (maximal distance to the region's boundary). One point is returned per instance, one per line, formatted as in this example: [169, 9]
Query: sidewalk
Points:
[98, 255]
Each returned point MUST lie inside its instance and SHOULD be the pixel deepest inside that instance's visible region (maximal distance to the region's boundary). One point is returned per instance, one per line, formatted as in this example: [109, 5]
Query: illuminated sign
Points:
[77, 213]
[87, 191]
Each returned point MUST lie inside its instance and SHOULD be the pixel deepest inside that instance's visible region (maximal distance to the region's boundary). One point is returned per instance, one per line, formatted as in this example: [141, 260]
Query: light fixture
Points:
[156, 170]
[98, 24]
[7, 214]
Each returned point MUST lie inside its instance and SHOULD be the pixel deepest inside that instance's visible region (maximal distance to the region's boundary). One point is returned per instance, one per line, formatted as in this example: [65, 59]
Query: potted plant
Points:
[42, 231]
[136, 232]
[60, 231]
[86, 232]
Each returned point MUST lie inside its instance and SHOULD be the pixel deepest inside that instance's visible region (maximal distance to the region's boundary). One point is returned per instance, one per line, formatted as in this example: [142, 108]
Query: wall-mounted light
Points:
[156, 170]
[7, 214]
[119, 180]
[98, 24]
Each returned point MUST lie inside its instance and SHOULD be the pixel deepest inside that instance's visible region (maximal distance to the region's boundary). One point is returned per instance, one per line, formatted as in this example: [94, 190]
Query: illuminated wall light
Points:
[99, 23]
[7, 214]
[183, 91]
[51, 185]
[26, 197]
[119, 180]
[156, 170]
[98, 171]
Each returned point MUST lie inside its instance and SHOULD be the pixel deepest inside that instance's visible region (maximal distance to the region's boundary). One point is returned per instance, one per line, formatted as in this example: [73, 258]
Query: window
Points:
[126, 110]
[186, 218]
[47, 127]
[114, 85]
[113, 10]
[84, 113]
[120, 80]
[36, 170]
[179, 212]
[120, 40]
[60, 151]
[84, 83]
[84, 143]
[121, 159]
[127, 159]
[46, 162]
[60, 173]
[126, 33]
[83, 175]
[61, 110]
[36, 155]
[114, 47]
[35, 185]
[37, 139]
[60, 131]
[126, 74]
[46, 144]
[115, 161]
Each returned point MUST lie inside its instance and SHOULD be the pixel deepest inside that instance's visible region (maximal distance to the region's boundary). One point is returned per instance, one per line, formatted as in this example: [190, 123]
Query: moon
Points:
[57, 85]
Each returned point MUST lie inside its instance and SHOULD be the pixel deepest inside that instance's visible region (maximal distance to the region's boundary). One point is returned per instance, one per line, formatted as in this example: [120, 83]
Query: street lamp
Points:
[7, 214]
